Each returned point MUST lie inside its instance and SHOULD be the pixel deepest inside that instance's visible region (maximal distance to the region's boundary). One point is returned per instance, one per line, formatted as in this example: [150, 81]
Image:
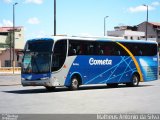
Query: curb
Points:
[10, 84]
[9, 74]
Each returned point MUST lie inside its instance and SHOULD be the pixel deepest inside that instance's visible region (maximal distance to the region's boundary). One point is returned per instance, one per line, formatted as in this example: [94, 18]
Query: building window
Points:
[19, 64]
[125, 37]
[19, 35]
[7, 63]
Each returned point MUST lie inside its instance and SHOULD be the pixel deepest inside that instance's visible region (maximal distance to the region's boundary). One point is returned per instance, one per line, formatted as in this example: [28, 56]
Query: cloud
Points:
[33, 20]
[34, 1]
[7, 1]
[156, 3]
[140, 9]
[6, 23]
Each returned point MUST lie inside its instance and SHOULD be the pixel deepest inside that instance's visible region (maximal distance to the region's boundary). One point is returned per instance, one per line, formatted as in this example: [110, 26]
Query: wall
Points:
[19, 37]
[150, 30]
[5, 55]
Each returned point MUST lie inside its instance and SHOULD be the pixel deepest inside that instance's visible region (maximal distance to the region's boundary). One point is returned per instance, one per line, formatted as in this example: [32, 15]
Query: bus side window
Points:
[75, 48]
[137, 50]
[80, 50]
[117, 52]
[72, 51]
[107, 51]
[99, 50]
[59, 54]
[90, 49]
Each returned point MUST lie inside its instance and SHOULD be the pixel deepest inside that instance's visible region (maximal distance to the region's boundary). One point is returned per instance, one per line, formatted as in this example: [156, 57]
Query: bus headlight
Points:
[22, 78]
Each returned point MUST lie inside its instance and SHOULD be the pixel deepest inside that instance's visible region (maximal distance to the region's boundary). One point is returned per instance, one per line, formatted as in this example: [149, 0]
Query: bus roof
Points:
[107, 38]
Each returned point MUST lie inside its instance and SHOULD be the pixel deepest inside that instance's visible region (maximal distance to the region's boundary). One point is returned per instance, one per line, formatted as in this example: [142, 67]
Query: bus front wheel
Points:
[134, 81]
[74, 83]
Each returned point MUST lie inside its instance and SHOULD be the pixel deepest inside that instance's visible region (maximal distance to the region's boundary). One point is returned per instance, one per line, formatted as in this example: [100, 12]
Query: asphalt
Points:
[88, 100]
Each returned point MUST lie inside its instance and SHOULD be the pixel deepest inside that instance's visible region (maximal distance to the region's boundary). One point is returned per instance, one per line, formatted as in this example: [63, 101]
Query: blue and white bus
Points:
[74, 61]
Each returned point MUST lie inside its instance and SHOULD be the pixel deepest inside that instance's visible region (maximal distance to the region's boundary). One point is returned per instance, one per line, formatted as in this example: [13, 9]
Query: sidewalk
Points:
[10, 79]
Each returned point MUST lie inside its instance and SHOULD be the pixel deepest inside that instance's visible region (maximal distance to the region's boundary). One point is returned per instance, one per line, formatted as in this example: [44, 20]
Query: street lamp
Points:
[54, 17]
[105, 25]
[146, 22]
[14, 34]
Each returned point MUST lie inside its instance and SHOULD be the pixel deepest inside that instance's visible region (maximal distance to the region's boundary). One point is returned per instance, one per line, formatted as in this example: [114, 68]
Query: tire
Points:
[74, 84]
[112, 85]
[48, 88]
[134, 81]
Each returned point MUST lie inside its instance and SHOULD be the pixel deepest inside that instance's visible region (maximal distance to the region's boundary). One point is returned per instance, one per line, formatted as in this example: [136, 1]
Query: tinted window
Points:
[142, 49]
[34, 62]
[78, 47]
[39, 46]
[110, 49]
[59, 54]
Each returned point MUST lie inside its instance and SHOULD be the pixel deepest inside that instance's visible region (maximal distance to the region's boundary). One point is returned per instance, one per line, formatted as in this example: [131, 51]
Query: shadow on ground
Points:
[64, 89]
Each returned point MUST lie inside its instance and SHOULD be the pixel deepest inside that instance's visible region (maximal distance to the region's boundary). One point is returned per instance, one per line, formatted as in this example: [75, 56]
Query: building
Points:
[153, 30]
[6, 45]
[127, 32]
[6, 58]
[6, 37]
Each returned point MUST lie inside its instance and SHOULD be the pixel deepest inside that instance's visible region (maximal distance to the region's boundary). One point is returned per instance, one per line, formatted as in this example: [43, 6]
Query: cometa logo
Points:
[93, 61]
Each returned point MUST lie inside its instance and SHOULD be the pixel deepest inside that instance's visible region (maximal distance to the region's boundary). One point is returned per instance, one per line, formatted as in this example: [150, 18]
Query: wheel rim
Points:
[135, 80]
[75, 83]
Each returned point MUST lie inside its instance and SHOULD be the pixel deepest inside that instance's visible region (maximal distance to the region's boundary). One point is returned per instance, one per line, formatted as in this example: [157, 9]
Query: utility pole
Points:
[14, 35]
[54, 17]
[146, 22]
[105, 25]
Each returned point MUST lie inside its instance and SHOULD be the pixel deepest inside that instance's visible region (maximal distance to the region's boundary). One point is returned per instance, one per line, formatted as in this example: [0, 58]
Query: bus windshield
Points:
[35, 62]
[37, 57]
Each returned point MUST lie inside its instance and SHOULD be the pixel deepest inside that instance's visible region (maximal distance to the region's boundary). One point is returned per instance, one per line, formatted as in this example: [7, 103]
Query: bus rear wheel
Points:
[74, 84]
[134, 81]
[50, 88]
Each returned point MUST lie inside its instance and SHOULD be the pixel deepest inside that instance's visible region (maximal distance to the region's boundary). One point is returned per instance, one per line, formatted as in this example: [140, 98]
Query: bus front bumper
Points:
[36, 82]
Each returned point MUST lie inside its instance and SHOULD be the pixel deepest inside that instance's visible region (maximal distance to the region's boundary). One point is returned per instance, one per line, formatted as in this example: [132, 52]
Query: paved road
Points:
[92, 99]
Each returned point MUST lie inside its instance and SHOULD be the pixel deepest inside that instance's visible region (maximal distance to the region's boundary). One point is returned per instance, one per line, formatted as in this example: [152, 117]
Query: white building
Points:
[6, 44]
[6, 36]
[127, 32]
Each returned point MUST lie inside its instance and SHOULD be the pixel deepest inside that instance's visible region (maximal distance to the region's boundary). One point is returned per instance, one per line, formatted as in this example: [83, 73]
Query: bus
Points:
[75, 61]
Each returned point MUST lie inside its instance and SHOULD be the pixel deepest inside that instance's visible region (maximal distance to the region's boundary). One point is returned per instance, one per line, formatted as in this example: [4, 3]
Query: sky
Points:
[76, 17]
